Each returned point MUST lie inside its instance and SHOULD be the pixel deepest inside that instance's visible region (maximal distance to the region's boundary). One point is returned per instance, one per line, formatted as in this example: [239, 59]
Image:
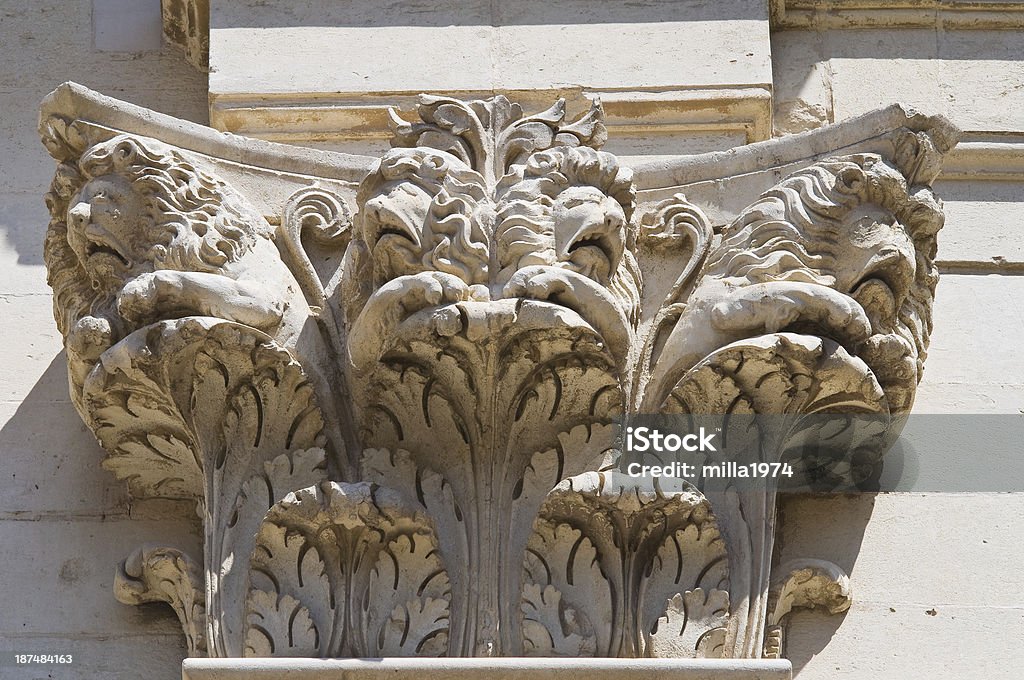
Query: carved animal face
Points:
[393, 221]
[566, 207]
[589, 232]
[893, 283]
[849, 224]
[103, 227]
[420, 210]
[876, 265]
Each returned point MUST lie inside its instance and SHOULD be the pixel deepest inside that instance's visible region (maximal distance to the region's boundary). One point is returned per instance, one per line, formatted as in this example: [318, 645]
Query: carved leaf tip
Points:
[169, 575]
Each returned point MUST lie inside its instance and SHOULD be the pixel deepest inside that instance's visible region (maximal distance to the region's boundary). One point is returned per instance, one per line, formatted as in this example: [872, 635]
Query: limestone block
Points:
[97, 654]
[126, 25]
[74, 561]
[820, 652]
[628, 55]
[21, 261]
[936, 396]
[802, 82]
[860, 533]
[53, 463]
[940, 602]
[972, 77]
[32, 59]
[31, 354]
[960, 353]
[982, 232]
[480, 46]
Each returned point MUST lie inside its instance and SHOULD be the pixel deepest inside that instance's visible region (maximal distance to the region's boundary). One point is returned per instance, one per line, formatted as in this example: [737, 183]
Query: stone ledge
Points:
[984, 156]
[853, 14]
[303, 118]
[492, 669]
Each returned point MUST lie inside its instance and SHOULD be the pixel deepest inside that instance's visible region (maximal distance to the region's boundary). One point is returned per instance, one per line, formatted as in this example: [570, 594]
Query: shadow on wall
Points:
[51, 459]
[65, 525]
[826, 527]
[375, 13]
[23, 227]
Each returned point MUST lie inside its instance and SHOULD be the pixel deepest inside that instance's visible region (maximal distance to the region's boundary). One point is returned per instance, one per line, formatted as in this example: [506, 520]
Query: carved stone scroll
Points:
[396, 388]
[805, 584]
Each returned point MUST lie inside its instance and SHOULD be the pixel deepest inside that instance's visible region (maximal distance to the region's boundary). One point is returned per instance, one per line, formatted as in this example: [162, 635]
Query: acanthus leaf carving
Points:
[244, 424]
[357, 563]
[162, 574]
[361, 399]
[493, 134]
[608, 542]
[807, 584]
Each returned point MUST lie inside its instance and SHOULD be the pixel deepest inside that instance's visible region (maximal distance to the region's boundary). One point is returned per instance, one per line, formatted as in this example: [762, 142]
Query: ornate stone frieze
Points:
[395, 390]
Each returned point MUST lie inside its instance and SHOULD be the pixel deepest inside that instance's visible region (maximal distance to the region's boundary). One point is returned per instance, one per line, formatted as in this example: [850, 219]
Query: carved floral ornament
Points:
[398, 406]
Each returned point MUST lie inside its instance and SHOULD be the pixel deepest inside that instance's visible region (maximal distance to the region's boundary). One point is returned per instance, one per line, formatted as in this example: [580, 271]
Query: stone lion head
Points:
[132, 205]
[851, 224]
[570, 207]
[422, 209]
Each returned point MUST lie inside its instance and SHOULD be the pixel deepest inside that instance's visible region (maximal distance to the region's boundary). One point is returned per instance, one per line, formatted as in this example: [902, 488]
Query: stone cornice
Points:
[303, 118]
[77, 102]
[982, 156]
[949, 14]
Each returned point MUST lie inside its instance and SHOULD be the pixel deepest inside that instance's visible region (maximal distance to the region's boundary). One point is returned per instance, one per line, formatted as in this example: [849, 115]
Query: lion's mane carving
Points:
[139, 233]
[190, 220]
[570, 207]
[843, 249]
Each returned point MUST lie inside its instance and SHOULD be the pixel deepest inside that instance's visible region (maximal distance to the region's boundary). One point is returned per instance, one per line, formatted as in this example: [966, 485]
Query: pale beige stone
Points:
[396, 410]
[946, 14]
[186, 23]
[940, 602]
[500, 669]
[629, 55]
[937, 559]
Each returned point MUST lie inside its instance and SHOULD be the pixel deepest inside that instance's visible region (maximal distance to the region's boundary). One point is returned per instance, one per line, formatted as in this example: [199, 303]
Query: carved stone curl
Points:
[401, 427]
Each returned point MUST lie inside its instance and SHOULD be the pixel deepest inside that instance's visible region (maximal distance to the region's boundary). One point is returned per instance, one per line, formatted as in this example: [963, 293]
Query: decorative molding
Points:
[947, 14]
[398, 407]
[333, 118]
[982, 156]
[803, 584]
[498, 669]
[158, 574]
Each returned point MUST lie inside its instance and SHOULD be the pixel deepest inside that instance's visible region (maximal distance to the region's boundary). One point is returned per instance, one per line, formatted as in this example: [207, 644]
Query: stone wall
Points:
[937, 592]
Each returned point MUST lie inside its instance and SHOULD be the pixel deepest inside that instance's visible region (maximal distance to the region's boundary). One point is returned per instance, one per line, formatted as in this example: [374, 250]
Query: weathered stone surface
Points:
[397, 406]
[628, 55]
[186, 23]
[500, 669]
[75, 564]
[940, 602]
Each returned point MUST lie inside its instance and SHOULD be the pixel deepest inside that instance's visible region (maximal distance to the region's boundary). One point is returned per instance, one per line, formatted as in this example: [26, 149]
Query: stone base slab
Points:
[491, 669]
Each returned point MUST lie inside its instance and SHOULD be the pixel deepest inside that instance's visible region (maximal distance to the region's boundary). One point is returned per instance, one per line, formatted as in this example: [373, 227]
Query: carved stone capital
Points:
[395, 388]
